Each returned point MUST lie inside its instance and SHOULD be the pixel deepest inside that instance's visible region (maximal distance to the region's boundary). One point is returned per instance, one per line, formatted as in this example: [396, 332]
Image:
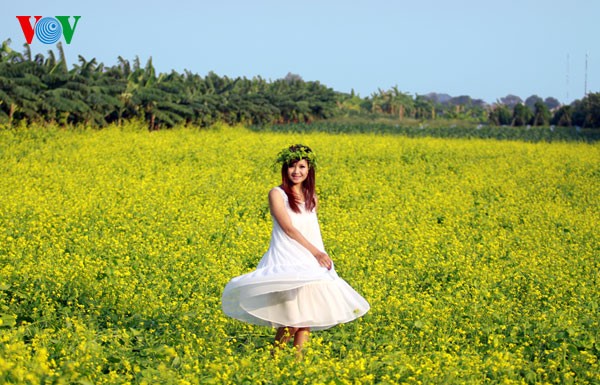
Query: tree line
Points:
[41, 88]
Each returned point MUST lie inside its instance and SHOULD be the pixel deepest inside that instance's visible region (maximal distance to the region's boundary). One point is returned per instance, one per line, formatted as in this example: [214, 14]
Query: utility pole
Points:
[567, 99]
[586, 75]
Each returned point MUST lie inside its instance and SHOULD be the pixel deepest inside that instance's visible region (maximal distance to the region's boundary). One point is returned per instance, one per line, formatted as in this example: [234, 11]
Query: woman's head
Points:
[296, 152]
[298, 164]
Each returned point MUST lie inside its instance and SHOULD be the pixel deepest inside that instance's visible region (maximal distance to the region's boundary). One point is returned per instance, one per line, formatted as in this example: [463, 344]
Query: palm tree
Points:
[401, 103]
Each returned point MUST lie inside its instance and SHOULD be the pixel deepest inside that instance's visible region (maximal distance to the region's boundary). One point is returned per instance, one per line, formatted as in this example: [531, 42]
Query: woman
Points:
[295, 287]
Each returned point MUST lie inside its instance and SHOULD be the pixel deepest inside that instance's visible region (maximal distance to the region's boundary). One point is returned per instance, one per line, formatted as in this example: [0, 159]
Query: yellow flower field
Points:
[480, 259]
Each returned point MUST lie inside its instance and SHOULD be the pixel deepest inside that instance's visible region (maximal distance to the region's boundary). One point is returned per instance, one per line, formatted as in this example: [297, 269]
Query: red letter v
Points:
[27, 27]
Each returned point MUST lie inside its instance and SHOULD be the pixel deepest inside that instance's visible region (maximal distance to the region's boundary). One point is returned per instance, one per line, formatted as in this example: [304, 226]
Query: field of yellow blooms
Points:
[480, 259]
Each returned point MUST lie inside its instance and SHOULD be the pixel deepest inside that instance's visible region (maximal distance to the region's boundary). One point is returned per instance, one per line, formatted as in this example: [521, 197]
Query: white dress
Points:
[289, 287]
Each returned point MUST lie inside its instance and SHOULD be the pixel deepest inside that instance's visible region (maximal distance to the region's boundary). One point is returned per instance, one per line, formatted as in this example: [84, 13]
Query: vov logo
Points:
[48, 29]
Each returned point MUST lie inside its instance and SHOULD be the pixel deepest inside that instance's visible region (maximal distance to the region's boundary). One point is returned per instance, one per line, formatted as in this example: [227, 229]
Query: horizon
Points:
[430, 47]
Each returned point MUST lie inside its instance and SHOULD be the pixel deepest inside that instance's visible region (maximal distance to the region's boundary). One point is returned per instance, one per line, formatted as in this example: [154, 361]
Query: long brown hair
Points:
[308, 186]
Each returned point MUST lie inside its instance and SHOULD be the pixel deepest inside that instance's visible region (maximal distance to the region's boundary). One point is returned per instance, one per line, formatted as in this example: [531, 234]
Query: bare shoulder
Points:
[277, 206]
[275, 191]
[275, 195]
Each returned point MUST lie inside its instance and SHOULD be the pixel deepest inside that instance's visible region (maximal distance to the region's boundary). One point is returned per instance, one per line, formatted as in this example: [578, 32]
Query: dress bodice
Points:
[305, 221]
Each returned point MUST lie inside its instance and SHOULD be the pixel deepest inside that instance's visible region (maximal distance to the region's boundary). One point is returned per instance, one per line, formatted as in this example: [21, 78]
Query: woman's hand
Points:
[323, 259]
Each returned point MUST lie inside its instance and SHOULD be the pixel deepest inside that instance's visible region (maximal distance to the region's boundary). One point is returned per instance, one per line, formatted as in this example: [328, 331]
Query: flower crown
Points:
[295, 153]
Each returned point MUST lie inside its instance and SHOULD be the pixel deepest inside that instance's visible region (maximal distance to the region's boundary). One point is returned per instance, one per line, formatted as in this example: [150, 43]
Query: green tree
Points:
[402, 104]
[521, 115]
[500, 115]
[586, 113]
[424, 108]
[563, 117]
[541, 114]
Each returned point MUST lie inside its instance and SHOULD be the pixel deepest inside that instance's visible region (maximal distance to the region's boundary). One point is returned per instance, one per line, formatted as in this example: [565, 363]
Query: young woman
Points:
[295, 287]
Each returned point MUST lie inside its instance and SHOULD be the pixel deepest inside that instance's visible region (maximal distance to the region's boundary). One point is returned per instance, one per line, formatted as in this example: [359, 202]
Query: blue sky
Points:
[484, 49]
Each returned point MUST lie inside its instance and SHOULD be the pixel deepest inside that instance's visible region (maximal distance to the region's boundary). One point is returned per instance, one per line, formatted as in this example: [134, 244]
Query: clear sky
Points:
[484, 49]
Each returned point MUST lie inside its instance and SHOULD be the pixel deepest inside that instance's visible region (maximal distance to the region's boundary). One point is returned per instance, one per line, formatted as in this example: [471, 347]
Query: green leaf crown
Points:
[295, 153]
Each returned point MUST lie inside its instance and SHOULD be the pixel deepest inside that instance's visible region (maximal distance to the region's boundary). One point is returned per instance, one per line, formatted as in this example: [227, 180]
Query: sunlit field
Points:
[480, 258]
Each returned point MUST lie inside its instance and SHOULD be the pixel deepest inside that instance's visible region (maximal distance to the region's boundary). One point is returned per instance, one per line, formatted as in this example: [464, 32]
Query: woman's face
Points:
[297, 172]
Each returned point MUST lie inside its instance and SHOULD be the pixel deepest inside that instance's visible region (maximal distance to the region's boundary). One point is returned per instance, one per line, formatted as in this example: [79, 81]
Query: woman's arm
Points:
[278, 210]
